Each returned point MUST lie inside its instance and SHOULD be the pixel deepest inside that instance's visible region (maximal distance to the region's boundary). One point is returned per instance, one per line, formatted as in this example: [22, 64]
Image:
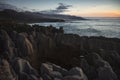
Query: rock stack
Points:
[47, 53]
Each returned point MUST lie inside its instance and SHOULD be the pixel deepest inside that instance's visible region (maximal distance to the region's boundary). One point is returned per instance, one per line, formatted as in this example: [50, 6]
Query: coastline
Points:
[23, 45]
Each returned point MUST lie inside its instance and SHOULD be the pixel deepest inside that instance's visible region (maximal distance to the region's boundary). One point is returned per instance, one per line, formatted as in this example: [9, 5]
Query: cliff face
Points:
[31, 54]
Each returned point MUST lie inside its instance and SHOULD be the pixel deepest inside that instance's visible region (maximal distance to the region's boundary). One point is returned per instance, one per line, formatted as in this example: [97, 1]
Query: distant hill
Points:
[60, 16]
[12, 15]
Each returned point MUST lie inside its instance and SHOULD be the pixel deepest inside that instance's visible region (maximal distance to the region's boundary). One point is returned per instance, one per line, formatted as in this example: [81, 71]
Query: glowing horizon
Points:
[97, 14]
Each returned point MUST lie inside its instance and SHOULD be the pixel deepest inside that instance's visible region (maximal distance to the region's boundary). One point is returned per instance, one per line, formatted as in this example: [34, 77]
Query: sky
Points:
[85, 8]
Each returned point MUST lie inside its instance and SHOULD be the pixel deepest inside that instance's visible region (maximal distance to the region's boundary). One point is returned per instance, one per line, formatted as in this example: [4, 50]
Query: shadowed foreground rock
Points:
[46, 53]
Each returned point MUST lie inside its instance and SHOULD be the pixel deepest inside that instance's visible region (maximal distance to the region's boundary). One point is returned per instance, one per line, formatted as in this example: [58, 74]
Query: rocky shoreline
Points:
[46, 53]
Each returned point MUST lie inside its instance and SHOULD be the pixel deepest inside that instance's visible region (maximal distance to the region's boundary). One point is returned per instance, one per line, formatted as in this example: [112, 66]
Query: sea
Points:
[106, 27]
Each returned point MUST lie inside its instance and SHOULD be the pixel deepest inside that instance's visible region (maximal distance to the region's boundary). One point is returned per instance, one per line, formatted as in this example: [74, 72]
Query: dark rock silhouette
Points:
[46, 53]
[29, 17]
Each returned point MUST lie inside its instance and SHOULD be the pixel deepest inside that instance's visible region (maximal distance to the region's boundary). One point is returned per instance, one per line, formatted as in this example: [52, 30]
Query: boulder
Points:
[23, 66]
[33, 77]
[74, 77]
[6, 71]
[57, 79]
[25, 76]
[55, 74]
[46, 77]
[105, 71]
[76, 71]
[46, 68]
[89, 70]
[63, 71]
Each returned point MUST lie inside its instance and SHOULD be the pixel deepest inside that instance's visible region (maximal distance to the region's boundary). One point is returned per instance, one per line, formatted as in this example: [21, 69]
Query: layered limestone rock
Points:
[24, 53]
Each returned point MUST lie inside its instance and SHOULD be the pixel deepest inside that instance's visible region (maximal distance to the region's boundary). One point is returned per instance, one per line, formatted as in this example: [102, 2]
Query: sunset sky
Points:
[85, 8]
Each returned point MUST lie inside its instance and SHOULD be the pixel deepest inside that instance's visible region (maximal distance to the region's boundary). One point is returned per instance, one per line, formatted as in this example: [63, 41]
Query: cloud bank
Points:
[60, 9]
[4, 5]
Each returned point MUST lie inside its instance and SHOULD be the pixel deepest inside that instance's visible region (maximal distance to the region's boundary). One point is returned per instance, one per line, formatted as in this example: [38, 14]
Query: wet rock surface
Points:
[46, 53]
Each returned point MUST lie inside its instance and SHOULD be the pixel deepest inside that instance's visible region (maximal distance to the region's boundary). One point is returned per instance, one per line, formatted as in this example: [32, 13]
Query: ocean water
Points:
[107, 27]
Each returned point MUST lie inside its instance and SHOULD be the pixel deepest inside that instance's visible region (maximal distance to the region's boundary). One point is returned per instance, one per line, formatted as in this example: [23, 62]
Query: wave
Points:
[102, 27]
[90, 30]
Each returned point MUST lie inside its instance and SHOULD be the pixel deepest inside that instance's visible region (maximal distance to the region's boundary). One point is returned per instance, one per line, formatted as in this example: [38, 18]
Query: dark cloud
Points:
[52, 11]
[60, 9]
[4, 5]
[33, 10]
[63, 6]
[2, 1]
